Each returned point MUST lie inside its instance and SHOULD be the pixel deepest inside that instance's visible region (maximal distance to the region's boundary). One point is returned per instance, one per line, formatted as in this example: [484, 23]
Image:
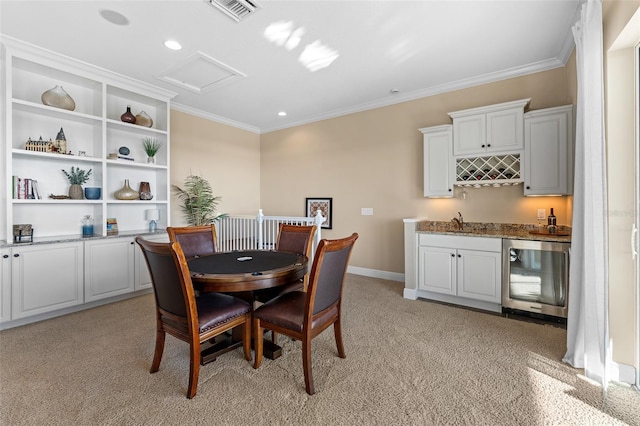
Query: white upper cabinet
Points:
[439, 170]
[548, 168]
[489, 130]
[94, 134]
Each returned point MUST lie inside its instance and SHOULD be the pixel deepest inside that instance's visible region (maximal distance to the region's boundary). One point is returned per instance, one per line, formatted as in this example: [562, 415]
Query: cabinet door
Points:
[437, 269]
[547, 154]
[5, 285]
[46, 277]
[142, 276]
[504, 130]
[479, 275]
[469, 135]
[108, 268]
[438, 163]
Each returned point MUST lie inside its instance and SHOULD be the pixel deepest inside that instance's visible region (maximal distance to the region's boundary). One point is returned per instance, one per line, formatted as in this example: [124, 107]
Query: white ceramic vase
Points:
[58, 98]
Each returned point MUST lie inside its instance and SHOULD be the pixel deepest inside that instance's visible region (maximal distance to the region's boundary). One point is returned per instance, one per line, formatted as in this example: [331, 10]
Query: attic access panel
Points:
[200, 73]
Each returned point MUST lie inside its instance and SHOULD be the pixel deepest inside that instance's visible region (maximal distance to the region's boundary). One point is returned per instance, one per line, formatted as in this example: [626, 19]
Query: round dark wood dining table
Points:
[242, 273]
[246, 270]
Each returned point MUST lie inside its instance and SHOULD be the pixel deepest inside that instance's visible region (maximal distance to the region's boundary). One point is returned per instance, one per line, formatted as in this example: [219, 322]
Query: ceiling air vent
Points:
[235, 9]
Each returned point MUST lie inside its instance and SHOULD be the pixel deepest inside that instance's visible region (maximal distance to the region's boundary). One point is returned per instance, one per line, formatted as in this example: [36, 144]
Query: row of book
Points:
[25, 189]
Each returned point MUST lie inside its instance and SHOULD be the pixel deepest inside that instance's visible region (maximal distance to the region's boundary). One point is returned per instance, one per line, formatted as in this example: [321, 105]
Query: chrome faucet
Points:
[459, 221]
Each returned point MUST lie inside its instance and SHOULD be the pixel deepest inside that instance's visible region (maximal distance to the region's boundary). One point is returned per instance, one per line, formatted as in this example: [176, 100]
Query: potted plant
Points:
[76, 178]
[198, 202]
[151, 147]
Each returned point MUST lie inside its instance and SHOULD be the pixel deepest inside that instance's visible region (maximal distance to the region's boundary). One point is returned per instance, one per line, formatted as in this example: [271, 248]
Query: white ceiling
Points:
[417, 47]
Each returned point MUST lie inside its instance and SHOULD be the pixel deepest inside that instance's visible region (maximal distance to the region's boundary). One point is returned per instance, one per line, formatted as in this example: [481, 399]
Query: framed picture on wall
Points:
[322, 204]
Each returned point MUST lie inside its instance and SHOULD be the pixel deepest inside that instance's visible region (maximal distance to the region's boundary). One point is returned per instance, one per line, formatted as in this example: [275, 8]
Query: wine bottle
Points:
[551, 223]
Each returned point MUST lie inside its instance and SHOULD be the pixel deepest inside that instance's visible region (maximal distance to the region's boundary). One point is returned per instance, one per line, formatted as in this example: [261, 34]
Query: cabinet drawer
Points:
[461, 242]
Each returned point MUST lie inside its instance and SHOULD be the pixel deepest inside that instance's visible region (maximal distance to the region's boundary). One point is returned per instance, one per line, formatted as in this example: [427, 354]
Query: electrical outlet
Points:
[542, 213]
[366, 211]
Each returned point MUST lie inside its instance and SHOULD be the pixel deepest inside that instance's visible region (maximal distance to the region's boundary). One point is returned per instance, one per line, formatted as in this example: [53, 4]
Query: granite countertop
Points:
[74, 238]
[513, 231]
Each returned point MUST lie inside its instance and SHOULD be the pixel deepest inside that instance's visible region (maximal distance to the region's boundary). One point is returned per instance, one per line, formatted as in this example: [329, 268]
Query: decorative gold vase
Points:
[75, 192]
[58, 98]
[126, 192]
[143, 119]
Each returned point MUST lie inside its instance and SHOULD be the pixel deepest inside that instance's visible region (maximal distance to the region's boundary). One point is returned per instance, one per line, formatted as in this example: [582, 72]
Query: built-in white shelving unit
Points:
[93, 130]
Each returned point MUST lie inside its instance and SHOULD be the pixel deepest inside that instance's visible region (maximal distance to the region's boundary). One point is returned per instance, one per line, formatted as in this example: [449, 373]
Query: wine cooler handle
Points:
[634, 237]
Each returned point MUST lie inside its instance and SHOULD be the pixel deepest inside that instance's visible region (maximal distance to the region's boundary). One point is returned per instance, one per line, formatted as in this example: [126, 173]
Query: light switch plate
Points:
[542, 213]
[366, 211]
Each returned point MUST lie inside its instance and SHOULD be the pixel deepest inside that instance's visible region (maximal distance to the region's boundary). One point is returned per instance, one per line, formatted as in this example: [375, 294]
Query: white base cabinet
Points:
[142, 276]
[41, 281]
[461, 270]
[46, 277]
[109, 268]
[5, 284]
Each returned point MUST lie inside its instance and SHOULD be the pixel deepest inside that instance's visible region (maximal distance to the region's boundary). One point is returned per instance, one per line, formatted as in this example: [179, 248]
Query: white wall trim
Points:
[622, 373]
[213, 117]
[506, 74]
[375, 273]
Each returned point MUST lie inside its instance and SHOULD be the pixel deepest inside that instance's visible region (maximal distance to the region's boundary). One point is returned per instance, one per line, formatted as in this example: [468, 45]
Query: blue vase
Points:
[91, 193]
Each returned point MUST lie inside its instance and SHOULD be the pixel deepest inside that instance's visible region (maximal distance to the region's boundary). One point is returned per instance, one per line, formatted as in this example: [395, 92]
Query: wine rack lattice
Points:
[496, 170]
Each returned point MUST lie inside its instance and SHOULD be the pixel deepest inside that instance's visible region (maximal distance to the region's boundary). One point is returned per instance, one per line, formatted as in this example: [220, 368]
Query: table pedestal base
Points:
[225, 343]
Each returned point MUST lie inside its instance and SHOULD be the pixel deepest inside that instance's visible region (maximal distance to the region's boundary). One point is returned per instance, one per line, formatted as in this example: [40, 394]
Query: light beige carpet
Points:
[408, 363]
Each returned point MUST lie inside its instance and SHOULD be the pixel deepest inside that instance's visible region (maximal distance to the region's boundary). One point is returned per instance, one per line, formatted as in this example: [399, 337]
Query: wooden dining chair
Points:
[304, 315]
[195, 240]
[182, 315]
[293, 239]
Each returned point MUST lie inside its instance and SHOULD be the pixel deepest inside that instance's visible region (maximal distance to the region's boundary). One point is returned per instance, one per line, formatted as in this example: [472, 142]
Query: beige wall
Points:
[622, 199]
[226, 156]
[374, 159]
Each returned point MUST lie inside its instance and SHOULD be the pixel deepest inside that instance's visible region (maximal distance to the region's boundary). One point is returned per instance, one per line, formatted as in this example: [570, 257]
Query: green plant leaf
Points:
[77, 176]
[199, 205]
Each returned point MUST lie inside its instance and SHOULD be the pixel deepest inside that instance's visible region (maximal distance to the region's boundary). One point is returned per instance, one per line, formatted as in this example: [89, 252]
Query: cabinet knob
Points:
[528, 187]
[131, 243]
[459, 255]
[488, 145]
[5, 256]
[483, 146]
[449, 189]
[16, 255]
[453, 255]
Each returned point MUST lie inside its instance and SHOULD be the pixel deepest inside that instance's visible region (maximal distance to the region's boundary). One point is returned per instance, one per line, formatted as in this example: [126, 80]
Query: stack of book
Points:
[25, 189]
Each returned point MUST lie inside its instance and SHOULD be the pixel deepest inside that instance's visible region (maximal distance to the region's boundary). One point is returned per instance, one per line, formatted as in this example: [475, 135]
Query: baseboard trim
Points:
[77, 308]
[622, 373]
[375, 273]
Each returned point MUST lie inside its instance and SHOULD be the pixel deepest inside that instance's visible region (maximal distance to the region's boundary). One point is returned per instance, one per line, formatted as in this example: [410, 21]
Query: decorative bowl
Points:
[91, 193]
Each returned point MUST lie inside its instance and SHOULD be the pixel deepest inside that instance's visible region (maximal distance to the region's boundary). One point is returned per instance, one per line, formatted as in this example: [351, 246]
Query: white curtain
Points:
[587, 324]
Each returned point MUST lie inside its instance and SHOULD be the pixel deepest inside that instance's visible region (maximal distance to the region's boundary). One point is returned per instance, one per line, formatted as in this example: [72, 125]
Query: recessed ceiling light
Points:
[173, 45]
[394, 91]
[113, 17]
[282, 113]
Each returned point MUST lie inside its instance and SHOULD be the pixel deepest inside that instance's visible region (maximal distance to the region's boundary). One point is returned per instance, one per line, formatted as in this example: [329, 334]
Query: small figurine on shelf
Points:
[61, 142]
